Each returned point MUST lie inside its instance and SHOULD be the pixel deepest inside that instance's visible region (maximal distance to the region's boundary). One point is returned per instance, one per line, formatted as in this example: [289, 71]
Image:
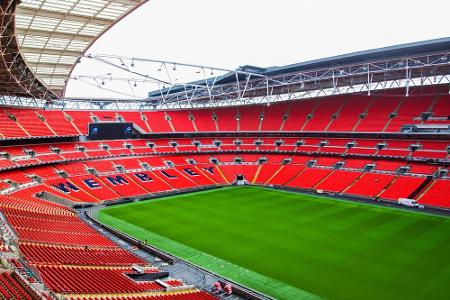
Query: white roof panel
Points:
[53, 33]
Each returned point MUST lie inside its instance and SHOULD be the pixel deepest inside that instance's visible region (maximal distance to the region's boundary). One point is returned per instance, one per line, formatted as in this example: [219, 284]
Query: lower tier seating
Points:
[369, 185]
[437, 194]
[92, 280]
[10, 288]
[190, 295]
[72, 258]
[355, 176]
[338, 181]
[309, 178]
[402, 186]
[77, 255]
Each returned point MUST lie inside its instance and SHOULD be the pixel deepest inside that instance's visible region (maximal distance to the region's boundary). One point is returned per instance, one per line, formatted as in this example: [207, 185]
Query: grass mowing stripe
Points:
[334, 249]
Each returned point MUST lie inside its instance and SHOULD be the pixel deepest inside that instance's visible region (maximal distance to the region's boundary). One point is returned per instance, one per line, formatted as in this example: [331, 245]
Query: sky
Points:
[233, 33]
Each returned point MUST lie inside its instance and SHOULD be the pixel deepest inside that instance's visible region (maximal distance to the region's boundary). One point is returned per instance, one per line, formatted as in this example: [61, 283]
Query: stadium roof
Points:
[405, 66]
[42, 40]
[46, 37]
[420, 48]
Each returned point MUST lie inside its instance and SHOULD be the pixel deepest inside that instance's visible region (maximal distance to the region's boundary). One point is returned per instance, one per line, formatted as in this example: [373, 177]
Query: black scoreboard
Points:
[110, 131]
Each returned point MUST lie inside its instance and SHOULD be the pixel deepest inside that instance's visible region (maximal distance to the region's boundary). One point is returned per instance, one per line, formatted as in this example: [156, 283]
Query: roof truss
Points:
[54, 34]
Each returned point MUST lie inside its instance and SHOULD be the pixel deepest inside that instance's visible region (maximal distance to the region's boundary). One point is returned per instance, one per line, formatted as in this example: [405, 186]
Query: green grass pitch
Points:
[295, 246]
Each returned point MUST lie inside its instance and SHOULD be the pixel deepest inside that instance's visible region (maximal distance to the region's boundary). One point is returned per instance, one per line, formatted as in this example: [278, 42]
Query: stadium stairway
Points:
[421, 188]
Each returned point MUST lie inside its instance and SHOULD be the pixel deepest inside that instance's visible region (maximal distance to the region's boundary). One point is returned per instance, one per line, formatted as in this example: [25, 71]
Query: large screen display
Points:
[110, 131]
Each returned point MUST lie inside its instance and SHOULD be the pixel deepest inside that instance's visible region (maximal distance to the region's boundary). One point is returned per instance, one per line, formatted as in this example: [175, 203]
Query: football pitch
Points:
[295, 246]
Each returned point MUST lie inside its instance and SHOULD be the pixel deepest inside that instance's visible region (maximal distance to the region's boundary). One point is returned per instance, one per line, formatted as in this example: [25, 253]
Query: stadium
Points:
[323, 179]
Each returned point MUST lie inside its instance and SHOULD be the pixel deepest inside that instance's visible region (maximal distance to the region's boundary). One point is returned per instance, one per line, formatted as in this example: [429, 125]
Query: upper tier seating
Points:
[80, 119]
[135, 117]
[378, 114]
[181, 121]
[298, 114]
[30, 122]
[273, 117]
[440, 110]
[226, 119]
[352, 113]
[321, 118]
[10, 128]
[158, 121]
[250, 117]
[59, 122]
[410, 108]
[203, 120]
